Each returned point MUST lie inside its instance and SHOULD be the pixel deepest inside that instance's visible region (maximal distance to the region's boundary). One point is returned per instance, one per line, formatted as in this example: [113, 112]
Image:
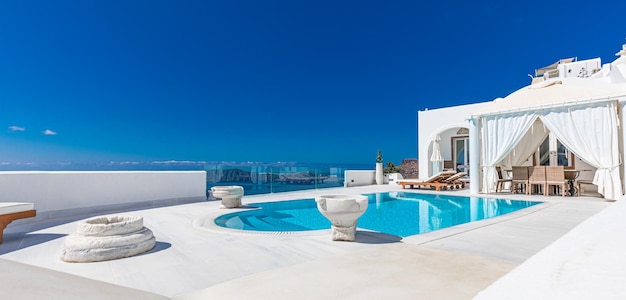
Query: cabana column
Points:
[474, 150]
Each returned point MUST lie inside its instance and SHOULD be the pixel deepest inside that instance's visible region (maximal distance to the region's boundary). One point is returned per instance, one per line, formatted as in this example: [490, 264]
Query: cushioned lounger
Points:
[437, 181]
[455, 182]
[10, 211]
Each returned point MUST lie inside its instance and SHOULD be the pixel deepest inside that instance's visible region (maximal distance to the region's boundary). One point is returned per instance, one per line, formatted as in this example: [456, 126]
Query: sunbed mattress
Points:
[14, 207]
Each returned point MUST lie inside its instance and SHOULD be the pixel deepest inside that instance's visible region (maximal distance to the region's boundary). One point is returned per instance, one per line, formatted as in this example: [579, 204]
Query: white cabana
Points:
[583, 117]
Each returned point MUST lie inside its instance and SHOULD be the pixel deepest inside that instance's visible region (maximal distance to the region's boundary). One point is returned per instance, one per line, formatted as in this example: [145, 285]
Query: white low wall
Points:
[393, 178]
[361, 177]
[54, 191]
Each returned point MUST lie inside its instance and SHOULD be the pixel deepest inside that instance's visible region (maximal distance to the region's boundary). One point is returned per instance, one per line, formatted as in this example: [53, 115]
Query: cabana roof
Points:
[559, 92]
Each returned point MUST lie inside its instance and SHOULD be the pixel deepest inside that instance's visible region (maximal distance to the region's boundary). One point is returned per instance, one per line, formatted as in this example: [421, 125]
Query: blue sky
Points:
[305, 81]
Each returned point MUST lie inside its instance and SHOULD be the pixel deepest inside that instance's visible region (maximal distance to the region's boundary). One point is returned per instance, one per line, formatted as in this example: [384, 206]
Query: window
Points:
[460, 151]
[552, 153]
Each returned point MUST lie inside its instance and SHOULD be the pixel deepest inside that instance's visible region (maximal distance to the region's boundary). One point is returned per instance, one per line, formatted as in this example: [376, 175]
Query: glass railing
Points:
[275, 179]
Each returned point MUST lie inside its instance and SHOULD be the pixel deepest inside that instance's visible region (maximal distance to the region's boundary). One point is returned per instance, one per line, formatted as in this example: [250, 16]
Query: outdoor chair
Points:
[519, 182]
[555, 176]
[537, 177]
[501, 180]
[580, 183]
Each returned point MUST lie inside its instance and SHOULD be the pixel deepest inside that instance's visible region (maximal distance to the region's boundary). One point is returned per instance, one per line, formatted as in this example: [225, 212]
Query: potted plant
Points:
[392, 172]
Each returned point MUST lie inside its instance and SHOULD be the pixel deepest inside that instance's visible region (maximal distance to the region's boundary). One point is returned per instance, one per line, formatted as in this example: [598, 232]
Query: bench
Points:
[10, 211]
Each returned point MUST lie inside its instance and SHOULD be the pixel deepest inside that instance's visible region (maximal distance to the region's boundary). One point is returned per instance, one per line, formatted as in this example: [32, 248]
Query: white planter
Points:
[230, 195]
[342, 211]
[380, 177]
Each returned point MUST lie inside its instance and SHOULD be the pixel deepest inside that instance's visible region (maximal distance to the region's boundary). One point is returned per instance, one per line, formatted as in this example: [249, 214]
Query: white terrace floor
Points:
[196, 260]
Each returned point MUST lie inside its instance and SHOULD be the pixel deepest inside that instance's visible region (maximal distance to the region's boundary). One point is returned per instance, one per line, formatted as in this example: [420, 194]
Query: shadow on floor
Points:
[160, 246]
[371, 237]
[18, 234]
[19, 240]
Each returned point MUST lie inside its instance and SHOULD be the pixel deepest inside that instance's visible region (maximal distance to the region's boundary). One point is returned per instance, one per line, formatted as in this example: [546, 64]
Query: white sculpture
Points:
[106, 238]
[343, 211]
[230, 195]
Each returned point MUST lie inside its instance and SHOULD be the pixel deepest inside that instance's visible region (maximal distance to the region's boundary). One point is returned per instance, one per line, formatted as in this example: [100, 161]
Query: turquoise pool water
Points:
[397, 213]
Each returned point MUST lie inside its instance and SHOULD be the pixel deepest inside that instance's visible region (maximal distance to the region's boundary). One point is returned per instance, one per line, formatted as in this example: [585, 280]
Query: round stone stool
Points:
[230, 195]
[343, 211]
[106, 238]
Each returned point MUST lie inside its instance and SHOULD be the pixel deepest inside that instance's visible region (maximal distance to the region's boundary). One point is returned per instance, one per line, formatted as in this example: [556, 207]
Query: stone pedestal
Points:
[106, 238]
[230, 195]
[343, 211]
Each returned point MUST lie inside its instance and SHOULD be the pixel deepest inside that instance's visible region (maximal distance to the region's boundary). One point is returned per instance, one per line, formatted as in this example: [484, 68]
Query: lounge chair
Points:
[455, 181]
[10, 211]
[437, 181]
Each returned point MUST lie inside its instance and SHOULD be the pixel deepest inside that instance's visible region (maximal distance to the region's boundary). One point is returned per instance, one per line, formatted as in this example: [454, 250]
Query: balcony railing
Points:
[273, 179]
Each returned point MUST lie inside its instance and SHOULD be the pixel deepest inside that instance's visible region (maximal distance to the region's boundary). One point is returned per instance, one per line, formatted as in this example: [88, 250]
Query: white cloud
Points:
[16, 128]
[49, 132]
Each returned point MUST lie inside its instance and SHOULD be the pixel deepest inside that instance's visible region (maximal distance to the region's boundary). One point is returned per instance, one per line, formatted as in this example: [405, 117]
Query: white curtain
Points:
[526, 146]
[499, 135]
[591, 132]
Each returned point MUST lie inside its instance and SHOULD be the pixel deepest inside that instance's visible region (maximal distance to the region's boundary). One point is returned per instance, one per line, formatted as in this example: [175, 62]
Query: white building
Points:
[569, 115]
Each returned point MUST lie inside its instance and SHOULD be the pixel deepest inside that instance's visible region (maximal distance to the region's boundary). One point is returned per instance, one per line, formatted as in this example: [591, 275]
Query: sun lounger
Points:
[10, 211]
[437, 181]
[455, 180]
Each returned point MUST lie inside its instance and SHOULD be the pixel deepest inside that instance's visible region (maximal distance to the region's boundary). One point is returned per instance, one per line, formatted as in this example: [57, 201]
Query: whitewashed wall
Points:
[360, 177]
[435, 121]
[54, 191]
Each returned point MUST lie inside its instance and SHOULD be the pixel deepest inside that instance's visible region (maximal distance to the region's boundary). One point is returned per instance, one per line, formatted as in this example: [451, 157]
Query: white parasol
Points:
[436, 158]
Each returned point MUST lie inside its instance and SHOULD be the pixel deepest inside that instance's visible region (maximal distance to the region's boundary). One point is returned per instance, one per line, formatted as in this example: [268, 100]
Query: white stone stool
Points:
[343, 211]
[230, 195]
[106, 238]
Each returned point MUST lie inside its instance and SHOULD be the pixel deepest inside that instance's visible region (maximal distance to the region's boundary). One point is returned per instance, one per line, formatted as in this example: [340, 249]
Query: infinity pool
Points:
[396, 213]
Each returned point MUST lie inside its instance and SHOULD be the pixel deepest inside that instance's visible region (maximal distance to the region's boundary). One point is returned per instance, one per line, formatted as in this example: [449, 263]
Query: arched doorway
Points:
[454, 147]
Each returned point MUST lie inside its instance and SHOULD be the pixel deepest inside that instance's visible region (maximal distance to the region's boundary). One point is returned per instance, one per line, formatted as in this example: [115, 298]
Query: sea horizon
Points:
[167, 165]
